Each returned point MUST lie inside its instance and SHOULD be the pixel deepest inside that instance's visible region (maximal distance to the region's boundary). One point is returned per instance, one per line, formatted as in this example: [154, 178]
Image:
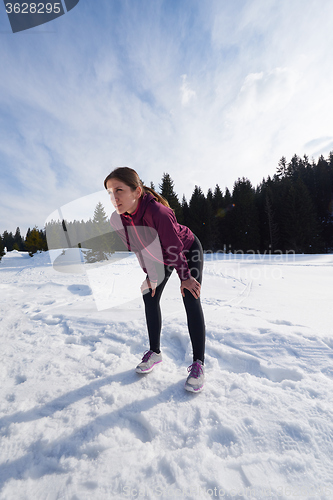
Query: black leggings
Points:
[195, 317]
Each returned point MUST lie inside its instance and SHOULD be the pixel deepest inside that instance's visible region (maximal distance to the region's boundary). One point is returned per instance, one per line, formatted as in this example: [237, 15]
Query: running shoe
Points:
[149, 360]
[195, 380]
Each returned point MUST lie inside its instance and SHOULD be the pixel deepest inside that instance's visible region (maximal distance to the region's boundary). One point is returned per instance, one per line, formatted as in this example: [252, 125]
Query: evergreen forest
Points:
[289, 212]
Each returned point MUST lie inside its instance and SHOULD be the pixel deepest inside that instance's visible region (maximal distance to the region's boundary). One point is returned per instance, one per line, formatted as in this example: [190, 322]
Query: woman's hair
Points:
[130, 177]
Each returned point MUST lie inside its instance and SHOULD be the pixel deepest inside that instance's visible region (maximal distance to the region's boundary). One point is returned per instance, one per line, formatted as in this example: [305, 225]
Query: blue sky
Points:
[207, 91]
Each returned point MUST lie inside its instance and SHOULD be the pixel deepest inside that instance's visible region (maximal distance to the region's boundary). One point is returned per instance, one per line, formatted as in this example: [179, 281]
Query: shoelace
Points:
[195, 370]
[146, 356]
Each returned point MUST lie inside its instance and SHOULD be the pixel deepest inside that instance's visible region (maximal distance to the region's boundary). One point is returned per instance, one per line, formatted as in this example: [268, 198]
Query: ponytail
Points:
[157, 196]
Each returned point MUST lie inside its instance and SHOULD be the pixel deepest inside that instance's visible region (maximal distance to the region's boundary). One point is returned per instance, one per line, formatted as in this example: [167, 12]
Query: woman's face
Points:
[122, 196]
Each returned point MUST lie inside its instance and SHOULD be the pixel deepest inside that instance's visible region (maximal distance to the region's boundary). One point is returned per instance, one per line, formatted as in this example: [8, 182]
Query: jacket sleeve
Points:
[165, 223]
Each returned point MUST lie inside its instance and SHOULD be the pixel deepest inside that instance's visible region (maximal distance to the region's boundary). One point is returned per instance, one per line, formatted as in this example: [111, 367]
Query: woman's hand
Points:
[192, 285]
[148, 284]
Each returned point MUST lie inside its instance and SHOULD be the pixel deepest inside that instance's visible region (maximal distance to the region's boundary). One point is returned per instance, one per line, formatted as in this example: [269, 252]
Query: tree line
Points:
[291, 211]
[34, 240]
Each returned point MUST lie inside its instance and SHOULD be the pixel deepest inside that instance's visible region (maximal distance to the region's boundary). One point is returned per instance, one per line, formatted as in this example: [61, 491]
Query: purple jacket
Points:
[139, 232]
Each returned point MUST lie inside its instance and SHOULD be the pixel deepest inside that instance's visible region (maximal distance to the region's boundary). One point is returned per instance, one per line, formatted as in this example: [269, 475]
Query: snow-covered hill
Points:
[77, 422]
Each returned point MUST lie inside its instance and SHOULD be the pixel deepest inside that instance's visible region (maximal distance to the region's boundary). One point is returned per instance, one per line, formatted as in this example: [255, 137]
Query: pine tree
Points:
[100, 216]
[300, 226]
[282, 167]
[2, 248]
[321, 190]
[8, 240]
[269, 228]
[167, 191]
[329, 229]
[42, 233]
[218, 216]
[35, 241]
[200, 217]
[213, 232]
[18, 240]
[293, 167]
[272, 225]
[185, 212]
[244, 218]
[218, 200]
[210, 229]
[101, 241]
[226, 222]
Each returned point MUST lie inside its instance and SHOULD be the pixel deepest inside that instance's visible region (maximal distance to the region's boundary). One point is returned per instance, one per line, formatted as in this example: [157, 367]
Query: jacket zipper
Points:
[132, 223]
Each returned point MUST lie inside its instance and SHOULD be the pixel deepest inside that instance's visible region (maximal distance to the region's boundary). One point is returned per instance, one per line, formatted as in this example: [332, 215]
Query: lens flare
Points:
[222, 212]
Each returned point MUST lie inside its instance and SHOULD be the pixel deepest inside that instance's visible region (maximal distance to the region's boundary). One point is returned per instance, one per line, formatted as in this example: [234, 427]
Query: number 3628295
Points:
[33, 8]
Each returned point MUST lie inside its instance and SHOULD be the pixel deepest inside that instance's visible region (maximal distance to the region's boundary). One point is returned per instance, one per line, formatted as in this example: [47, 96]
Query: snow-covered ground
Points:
[77, 422]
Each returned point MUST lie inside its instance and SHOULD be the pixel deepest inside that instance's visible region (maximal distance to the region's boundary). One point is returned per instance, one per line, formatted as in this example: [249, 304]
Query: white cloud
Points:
[187, 94]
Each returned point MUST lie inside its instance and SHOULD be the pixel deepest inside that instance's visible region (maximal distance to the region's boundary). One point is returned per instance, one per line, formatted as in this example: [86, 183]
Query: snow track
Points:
[77, 422]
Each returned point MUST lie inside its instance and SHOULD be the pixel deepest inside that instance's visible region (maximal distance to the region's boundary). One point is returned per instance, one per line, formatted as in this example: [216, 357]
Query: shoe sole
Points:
[148, 370]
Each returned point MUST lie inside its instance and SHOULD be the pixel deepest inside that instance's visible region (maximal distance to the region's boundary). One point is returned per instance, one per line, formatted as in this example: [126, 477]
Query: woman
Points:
[140, 215]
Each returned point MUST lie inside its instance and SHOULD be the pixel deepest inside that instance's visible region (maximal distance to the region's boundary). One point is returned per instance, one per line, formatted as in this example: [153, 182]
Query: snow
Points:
[77, 422]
